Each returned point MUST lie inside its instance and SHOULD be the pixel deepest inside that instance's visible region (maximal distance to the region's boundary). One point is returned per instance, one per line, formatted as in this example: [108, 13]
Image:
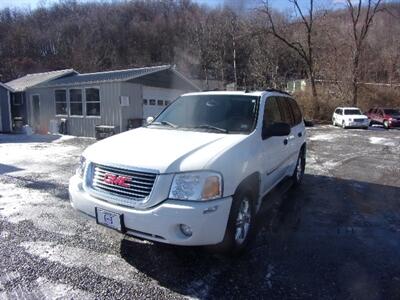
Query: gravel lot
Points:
[337, 236]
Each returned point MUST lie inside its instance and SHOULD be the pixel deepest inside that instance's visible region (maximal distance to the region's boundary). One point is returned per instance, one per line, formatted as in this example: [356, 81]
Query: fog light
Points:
[186, 230]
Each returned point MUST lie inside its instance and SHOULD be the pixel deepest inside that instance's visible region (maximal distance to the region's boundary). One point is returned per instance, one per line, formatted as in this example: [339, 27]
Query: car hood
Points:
[161, 150]
[356, 116]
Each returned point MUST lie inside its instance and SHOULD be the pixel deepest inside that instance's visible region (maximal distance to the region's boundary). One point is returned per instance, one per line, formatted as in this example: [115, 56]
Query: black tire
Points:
[343, 125]
[230, 244]
[298, 173]
[386, 124]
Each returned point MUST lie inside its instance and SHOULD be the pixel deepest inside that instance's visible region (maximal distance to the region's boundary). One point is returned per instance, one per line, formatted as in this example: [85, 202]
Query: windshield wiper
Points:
[164, 123]
[206, 126]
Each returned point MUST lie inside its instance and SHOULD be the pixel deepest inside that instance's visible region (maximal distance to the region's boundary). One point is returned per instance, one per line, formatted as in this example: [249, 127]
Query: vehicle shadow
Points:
[329, 238]
[5, 169]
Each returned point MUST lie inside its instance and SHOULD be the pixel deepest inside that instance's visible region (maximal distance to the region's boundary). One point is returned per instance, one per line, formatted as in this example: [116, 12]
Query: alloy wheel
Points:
[243, 221]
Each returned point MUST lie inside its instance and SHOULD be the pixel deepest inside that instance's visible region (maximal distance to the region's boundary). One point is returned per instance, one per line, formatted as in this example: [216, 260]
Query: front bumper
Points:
[357, 124]
[207, 219]
[394, 123]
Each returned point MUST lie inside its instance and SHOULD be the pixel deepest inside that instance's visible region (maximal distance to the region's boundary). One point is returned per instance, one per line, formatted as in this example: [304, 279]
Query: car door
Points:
[274, 149]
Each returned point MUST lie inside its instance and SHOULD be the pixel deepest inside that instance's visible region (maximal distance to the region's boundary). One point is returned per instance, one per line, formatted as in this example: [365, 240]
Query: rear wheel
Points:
[240, 227]
[333, 122]
[386, 124]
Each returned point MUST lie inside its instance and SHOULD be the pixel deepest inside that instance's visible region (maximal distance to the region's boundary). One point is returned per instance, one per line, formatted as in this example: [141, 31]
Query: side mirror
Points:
[149, 120]
[275, 129]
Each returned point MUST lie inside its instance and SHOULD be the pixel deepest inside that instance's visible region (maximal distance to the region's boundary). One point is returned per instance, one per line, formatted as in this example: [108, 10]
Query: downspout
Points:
[9, 110]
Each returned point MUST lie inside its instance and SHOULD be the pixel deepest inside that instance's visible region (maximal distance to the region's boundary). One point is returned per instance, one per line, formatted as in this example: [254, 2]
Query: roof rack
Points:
[276, 90]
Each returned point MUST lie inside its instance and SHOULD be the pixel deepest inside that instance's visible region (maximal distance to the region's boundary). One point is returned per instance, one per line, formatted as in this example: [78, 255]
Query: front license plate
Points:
[109, 219]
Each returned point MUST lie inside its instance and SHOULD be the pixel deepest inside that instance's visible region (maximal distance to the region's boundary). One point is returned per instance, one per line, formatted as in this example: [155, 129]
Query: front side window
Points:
[298, 118]
[214, 113]
[61, 102]
[285, 111]
[75, 99]
[272, 113]
[92, 102]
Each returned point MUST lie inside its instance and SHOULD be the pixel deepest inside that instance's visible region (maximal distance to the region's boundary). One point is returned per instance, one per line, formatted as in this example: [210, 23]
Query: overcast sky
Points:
[280, 4]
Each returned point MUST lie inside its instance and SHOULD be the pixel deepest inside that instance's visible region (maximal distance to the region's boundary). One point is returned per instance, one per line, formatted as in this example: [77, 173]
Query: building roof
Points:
[6, 87]
[107, 76]
[30, 80]
[113, 76]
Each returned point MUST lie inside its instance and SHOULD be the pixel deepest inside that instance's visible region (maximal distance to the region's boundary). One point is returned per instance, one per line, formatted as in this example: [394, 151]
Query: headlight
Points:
[196, 186]
[81, 168]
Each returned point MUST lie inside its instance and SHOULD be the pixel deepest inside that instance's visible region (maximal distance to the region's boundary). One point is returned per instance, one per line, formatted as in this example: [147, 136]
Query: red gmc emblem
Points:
[116, 180]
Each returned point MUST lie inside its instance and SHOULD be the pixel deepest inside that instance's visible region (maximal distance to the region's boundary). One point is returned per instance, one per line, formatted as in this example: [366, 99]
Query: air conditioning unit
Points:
[105, 131]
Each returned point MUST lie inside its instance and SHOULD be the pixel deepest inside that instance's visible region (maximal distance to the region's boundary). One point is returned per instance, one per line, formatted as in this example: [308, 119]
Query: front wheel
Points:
[386, 124]
[343, 125]
[240, 228]
[298, 173]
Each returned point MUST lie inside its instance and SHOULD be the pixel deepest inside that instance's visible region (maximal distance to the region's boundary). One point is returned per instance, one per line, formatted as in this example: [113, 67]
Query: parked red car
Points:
[388, 117]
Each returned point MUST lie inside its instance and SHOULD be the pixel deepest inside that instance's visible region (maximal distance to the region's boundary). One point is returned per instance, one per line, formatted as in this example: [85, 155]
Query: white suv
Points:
[349, 117]
[197, 174]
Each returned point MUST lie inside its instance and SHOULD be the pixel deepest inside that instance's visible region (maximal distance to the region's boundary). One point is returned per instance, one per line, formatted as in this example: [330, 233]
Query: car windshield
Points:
[352, 112]
[216, 113]
[392, 111]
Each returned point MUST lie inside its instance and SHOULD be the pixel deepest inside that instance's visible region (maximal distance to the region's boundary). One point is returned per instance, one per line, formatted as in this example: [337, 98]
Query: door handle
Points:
[285, 141]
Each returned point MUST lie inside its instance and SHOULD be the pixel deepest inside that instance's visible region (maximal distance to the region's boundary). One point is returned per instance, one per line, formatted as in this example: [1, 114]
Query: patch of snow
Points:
[51, 290]
[322, 137]
[381, 141]
[103, 264]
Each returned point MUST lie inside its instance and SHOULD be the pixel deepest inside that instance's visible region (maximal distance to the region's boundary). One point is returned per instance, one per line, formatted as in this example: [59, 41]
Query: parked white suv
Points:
[349, 117]
[197, 174]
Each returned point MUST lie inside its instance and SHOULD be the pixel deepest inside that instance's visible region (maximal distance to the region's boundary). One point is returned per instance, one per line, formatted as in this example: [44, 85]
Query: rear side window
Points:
[272, 113]
[298, 118]
[286, 112]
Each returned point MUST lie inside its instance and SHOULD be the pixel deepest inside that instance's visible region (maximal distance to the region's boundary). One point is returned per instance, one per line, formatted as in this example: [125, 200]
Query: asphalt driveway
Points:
[337, 236]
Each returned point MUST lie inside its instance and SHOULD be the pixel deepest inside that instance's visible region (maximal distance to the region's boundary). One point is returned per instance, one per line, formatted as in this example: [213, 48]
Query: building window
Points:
[166, 102]
[75, 102]
[17, 100]
[160, 102]
[152, 102]
[144, 101]
[92, 102]
[61, 102]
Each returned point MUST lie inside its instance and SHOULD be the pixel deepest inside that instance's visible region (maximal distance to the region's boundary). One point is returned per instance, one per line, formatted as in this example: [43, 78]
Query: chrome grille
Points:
[359, 120]
[137, 185]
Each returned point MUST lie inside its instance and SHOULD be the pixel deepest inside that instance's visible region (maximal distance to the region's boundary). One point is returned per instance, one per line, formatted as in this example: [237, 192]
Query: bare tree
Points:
[360, 28]
[304, 50]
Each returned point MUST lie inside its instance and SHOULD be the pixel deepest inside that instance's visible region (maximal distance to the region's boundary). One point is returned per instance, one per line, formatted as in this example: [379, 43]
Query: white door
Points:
[274, 149]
